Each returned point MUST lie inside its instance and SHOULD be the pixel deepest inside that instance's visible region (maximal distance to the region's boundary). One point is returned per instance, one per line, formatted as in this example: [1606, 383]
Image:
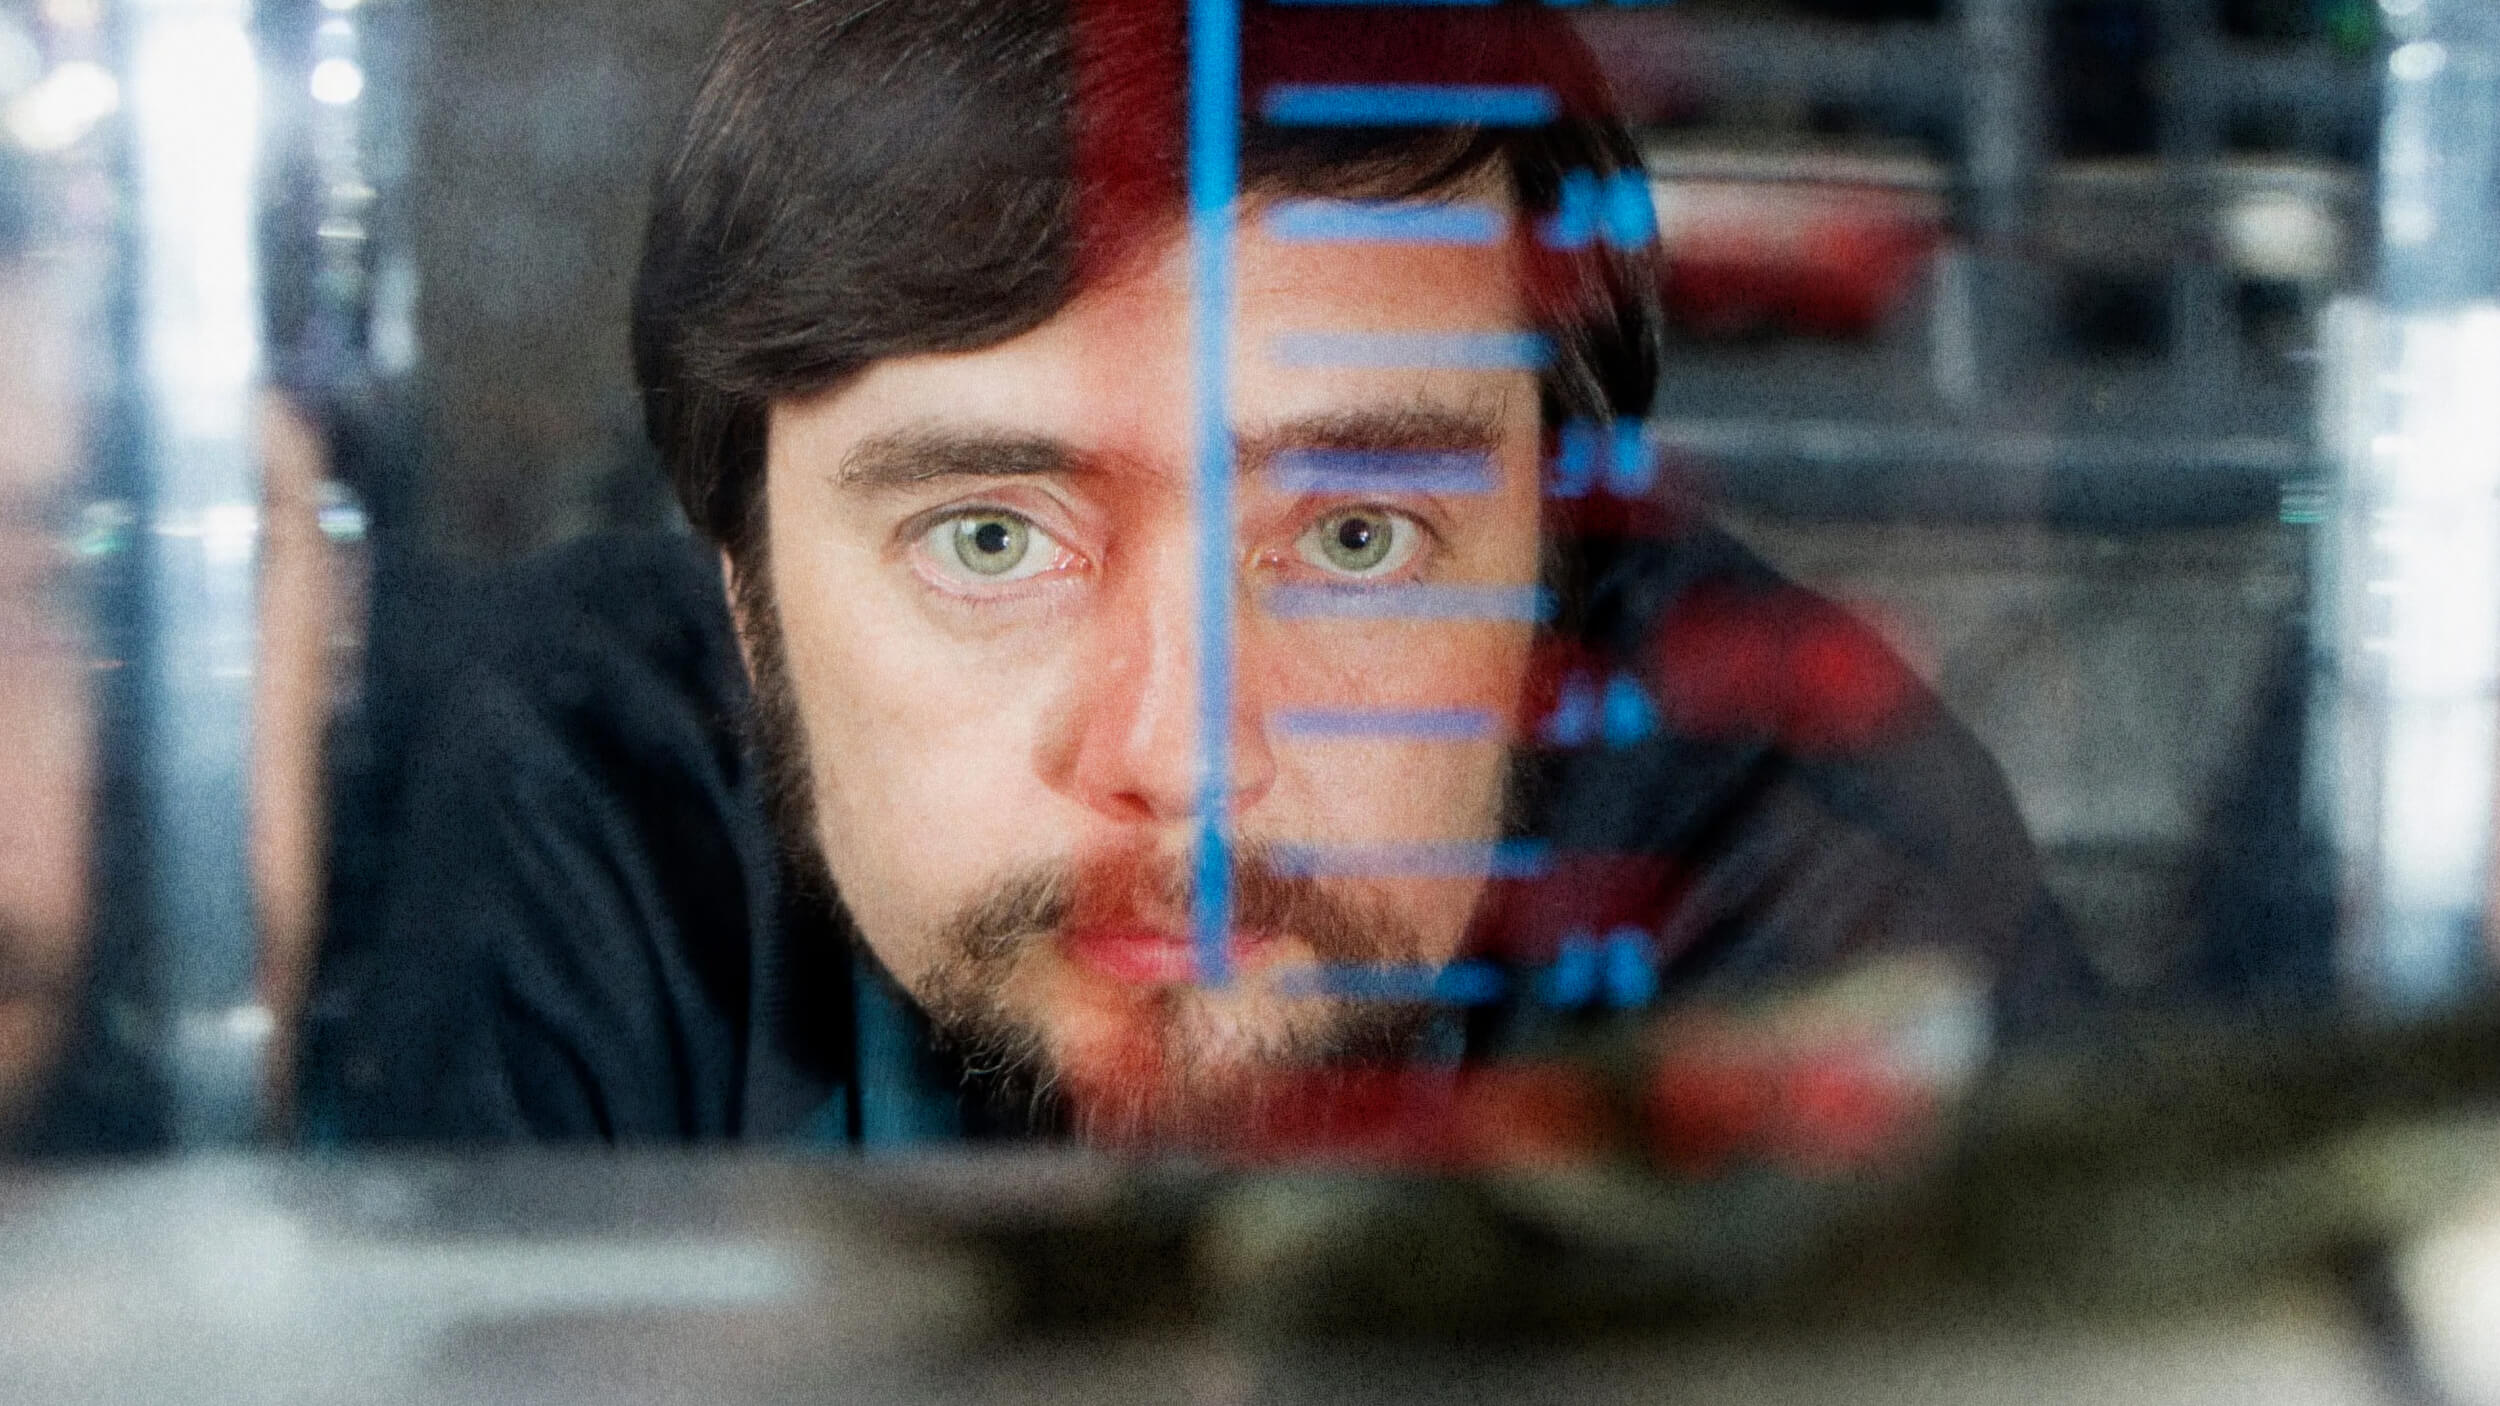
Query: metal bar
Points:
[2415, 647]
[195, 106]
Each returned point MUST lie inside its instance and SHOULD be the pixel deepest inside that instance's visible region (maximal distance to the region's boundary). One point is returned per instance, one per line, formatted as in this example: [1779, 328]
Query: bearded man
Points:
[914, 330]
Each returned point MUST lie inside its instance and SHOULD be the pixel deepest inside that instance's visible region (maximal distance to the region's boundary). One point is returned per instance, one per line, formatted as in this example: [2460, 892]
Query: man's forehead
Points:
[1306, 333]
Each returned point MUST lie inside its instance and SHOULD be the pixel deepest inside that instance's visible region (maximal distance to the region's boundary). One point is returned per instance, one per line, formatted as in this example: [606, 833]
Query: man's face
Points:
[985, 572]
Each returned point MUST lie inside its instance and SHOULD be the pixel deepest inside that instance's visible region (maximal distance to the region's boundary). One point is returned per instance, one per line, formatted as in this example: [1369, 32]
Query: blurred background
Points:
[2132, 365]
[2040, 332]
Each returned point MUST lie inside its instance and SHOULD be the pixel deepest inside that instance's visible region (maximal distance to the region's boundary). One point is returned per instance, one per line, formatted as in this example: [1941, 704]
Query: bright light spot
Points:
[2449, 1281]
[2284, 237]
[341, 5]
[2411, 223]
[342, 513]
[228, 533]
[337, 82]
[66, 105]
[74, 14]
[2418, 60]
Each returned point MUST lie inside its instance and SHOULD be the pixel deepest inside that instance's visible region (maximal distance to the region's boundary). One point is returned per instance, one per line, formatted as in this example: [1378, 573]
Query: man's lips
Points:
[1147, 956]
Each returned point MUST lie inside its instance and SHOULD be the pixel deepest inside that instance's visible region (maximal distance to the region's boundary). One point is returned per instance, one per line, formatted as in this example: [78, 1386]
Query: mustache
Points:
[1339, 924]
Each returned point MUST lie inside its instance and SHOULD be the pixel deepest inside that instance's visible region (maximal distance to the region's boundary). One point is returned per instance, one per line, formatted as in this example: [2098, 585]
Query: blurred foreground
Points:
[2171, 1216]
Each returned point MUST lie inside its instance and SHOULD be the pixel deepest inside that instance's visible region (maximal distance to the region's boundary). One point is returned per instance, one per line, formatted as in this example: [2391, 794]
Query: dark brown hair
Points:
[866, 179]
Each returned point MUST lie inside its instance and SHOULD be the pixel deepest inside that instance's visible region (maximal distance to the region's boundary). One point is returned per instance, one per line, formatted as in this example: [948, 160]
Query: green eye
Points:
[1361, 542]
[990, 544]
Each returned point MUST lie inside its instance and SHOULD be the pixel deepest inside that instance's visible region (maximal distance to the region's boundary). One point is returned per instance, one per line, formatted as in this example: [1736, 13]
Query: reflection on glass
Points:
[47, 755]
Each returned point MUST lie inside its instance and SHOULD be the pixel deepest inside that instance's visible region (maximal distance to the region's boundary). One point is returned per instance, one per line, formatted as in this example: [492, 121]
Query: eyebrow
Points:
[911, 458]
[1410, 428]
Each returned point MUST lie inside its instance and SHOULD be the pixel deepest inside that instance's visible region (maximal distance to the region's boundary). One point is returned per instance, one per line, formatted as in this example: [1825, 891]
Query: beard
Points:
[1170, 1064]
[1164, 1065]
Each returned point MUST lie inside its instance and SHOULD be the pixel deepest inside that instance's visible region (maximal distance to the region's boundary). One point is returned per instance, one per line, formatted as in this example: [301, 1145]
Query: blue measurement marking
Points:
[1621, 973]
[1409, 105]
[1382, 471]
[1416, 724]
[1554, 4]
[1458, 984]
[1622, 715]
[1528, 604]
[1577, 212]
[1399, 351]
[1629, 467]
[1214, 178]
[1631, 210]
[1618, 208]
[1573, 979]
[1631, 969]
[1456, 859]
[1384, 222]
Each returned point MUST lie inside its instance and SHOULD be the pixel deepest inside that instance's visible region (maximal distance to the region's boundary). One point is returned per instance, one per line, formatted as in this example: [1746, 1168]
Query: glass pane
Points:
[1456, 666]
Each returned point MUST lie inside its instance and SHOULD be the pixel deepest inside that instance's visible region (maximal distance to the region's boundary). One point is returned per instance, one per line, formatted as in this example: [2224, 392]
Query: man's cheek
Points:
[913, 794]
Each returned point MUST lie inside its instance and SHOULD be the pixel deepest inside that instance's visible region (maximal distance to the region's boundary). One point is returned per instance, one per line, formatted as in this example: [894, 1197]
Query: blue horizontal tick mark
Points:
[1384, 222]
[1426, 724]
[1383, 471]
[1400, 351]
[1409, 105]
[1511, 859]
[1459, 984]
[1527, 604]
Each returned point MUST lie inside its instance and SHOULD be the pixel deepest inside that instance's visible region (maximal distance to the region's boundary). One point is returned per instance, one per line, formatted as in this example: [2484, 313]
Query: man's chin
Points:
[1174, 1064]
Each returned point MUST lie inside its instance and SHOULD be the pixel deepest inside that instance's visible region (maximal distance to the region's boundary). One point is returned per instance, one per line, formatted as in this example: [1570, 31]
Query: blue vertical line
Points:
[1214, 150]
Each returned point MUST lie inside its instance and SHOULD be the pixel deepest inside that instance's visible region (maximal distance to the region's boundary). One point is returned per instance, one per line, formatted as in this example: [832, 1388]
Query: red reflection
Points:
[1833, 262]
[1513, 1115]
[1782, 665]
[1526, 920]
[1714, 1104]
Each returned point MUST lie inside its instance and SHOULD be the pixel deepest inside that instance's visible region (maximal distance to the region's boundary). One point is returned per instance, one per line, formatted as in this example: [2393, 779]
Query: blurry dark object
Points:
[2167, 1170]
[2101, 76]
[1863, 10]
[2168, 1213]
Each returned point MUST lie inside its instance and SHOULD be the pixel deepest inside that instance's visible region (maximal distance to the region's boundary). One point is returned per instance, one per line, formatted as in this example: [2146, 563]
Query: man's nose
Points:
[1128, 743]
